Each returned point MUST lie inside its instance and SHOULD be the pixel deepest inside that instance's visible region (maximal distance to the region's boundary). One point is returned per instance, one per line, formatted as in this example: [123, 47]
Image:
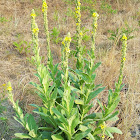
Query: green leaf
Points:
[37, 86]
[46, 135]
[32, 133]
[72, 101]
[18, 120]
[79, 102]
[100, 105]
[94, 94]
[113, 130]
[111, 116]
[97, 131]
[60, 116]
[115, 118]
[111, 108]
[95, 67]
[31, 125]
[46, 117]
[84, 128]
[16, 139]
[60, 92]
[75, 121]
[57, 137]
[65, 131]
[22, 135]
[81, 135]
[108, 134]
[46, 128]
[84, 76]
[91, 116]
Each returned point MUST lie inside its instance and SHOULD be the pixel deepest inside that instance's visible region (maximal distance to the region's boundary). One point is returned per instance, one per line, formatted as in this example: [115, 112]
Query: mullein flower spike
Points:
[44, 6]
[44, 10]
[65, 55]
[35, 30]
[93, 34]
[124, 47]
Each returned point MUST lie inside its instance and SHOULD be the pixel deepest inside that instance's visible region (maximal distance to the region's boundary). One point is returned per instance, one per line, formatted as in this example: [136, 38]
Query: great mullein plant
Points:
[67, 94]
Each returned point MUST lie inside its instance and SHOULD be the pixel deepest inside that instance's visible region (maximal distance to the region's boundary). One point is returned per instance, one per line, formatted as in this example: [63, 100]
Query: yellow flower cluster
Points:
[35, 30]
[67, 39]
[79, 3]
[33, 15]
[95, 15]
[124, 37]
[63, 43]
[9, 88]
[78, 14]
[44, 7]
[67, 50]
[95, 25]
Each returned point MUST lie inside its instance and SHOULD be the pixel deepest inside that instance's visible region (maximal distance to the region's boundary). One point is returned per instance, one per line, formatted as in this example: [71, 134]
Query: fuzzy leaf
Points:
[114, 130]
[60, 116]
[22, 135]
[81, 135]
[108, 134]
[57, 137]
[94, 94]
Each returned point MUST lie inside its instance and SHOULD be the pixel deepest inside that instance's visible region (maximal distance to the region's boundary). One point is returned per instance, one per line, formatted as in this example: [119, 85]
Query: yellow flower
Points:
[103, 136]
[63, 43]
[67, 39]
[81, 34]
[95, 15]
[77, 24]
[124, 59]
[95, 25]
[35, 30]
[124, 37]
[3, 85]
[79, 3]
[67, 50]
[102, 126]
[33, 15]
[44, 6]
[78, 8]
[77, 12]
[9, 88]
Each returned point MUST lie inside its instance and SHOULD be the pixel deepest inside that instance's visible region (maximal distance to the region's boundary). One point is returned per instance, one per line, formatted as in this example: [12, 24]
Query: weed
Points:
[67, 94]
[107, 8]
[3, 19]
[22, 47]
[117, 34]
[55, 36]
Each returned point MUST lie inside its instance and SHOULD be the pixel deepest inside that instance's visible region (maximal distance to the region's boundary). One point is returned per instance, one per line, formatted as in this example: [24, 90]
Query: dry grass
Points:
[15, 68]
